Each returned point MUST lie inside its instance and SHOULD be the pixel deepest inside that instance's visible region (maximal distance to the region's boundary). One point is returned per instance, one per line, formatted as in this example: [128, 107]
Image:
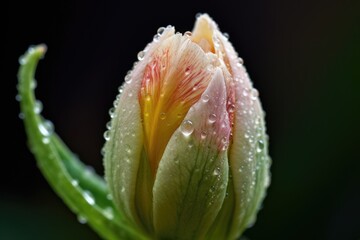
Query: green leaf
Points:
[82, 190]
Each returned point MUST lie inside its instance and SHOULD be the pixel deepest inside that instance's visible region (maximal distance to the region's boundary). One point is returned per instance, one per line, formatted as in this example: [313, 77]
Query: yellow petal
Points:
[174, 79]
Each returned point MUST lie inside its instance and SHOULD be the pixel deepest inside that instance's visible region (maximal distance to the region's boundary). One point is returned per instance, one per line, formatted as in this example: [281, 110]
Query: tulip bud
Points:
[186, 154]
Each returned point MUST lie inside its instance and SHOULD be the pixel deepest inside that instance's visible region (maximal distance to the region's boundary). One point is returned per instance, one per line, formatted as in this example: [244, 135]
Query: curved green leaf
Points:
[81, 189]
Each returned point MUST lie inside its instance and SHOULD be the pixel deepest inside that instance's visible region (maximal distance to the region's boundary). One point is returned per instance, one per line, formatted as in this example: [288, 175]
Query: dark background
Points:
[303, 56]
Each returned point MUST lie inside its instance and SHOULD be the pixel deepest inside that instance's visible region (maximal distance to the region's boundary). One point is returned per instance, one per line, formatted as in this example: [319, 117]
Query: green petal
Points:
[82, 190]
[248, 156]
[126, 166]
[190, 184]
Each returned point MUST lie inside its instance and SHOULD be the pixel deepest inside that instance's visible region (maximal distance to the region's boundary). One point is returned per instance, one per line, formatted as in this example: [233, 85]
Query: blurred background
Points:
[303, 57]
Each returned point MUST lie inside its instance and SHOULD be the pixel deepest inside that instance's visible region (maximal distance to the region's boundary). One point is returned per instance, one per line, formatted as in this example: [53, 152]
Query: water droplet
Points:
[187, 128]
[141, 55]
[162, 116]
[18, 97]
[188, 34]
[89, 197]
[245, 92]
[108, 212]
[240, 61]
[261, 144]
[46, 128]
[161, 30]
[212, 118]
[38, 107]
[254, 94]
[22, 60]
[21, 115]
[108, 125]
[102, 151]
[107, 135]
[231, 108]
[75, 182]
[203, 135]
[205, 98]
[128, 149]
[187, 71]
[198, 15]
[120, 89]
[156, 37]
[109, 197]
[226, 35]
[246, 135]
[179, 115]
[128, 78]
[122, 189]
[112, 112]
[82, 219]
[33, 84]
[216, 172]
[45, 140]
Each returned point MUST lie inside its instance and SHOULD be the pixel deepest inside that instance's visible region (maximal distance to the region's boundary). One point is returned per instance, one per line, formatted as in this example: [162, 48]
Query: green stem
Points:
[81, 189]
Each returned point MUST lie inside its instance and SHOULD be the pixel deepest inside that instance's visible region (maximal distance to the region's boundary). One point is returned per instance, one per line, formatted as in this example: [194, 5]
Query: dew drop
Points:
[109, 197]
[231, 108]
[22, 60]
[187, 128]
[102, 151]
[108, 212]
[261, 144]
[89, 197]
[38, 107]
[107, 135]
[156, 37]
[203, 135]
[75, 182]
[212, 118]
[161, 30]
[141, 55]
[21, 115]
[216, 172]
[45, 140]
[254, 94]
[162, 116]
[128, 77]
[33, 84]
[226, 35]
[128, 149]
[112, 112]
[18, 97]
[188, 34]
[245, 92]
[108, 125]
[46, 128]
[187, 71]
[240, 61]
[205, 98]
[82, 219]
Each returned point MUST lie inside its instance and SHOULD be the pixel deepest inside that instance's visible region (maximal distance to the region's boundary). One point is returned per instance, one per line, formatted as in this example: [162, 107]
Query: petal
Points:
[174, 79]
[248, 156]
[191, 181]
[124, 150]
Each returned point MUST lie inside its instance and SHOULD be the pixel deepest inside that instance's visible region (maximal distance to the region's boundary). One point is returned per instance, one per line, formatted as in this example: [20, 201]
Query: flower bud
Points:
[186, 154]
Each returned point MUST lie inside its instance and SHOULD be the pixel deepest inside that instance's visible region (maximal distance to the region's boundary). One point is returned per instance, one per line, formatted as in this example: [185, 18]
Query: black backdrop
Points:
[303, 57]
